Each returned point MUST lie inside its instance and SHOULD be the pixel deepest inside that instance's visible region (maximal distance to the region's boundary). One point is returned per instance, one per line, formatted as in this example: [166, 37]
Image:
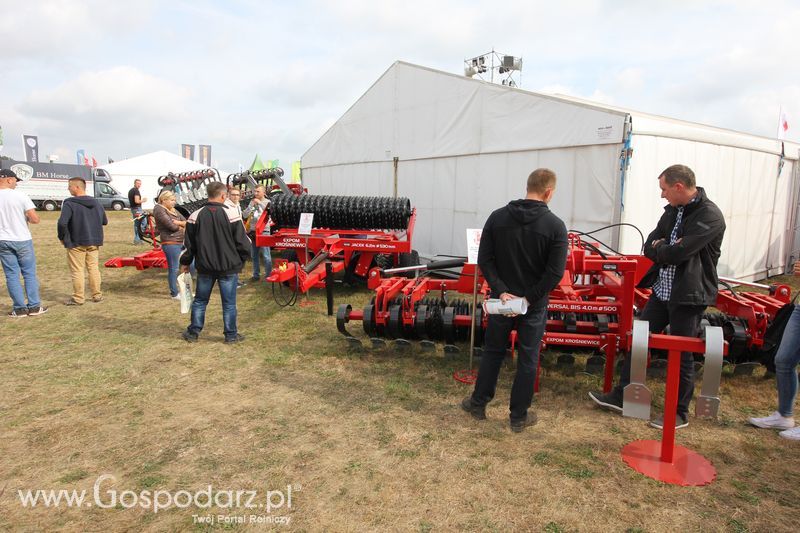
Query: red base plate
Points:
[468, 377]
[687, 468]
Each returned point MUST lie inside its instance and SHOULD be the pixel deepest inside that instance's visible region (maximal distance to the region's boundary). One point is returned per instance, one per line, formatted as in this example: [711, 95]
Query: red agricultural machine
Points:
[349, 233]
[592, 308]
[190, 195]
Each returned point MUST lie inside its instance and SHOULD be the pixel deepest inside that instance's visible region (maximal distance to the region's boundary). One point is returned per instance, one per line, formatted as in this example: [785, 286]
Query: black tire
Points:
[407, 260]
[117, 206]
[49, 205]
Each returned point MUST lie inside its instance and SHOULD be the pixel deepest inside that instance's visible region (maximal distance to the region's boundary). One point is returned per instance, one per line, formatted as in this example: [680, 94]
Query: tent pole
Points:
[395, 162]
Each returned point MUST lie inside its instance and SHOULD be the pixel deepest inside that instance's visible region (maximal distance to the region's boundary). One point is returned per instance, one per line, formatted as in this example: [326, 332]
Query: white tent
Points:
[460, 148]
[148, 168]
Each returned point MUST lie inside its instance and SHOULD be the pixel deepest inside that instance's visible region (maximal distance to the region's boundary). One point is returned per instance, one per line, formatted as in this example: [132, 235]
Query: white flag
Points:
[783, 125]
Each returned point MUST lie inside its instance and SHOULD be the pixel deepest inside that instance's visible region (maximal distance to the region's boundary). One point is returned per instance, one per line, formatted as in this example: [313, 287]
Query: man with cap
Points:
[16, 247]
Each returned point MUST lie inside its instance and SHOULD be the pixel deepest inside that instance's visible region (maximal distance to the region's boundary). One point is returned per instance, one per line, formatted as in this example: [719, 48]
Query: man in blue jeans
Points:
[16, 247]
[139, 222]
[786, 359]
[216, 241]
[522, 254]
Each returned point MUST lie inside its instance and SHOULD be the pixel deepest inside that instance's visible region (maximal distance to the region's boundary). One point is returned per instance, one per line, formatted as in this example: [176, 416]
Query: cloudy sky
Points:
[122, 79]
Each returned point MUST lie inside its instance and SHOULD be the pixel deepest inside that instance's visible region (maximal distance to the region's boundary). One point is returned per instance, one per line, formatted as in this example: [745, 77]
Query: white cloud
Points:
[122, 100]
[253, 76]
[50, 29]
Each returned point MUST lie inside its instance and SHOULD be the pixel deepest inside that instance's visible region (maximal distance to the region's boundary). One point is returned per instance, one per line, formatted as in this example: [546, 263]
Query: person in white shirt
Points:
[16, 247]
[234, 199]
[258, 253]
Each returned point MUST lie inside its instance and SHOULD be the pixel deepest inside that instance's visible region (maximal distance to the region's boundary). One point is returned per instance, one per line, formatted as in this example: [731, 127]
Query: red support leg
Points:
[670, 406]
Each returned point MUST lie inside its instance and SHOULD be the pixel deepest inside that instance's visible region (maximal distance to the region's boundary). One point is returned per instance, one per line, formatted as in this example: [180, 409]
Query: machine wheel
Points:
[409, 259]
[49, 205]
[117, 206]
[419, 321]
[369, 320]
[394, 329]
[449, 326]
[342, 318]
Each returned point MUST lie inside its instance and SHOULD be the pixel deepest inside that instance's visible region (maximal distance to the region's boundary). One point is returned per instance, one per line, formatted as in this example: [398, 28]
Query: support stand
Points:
[664, 460]
[470, 375]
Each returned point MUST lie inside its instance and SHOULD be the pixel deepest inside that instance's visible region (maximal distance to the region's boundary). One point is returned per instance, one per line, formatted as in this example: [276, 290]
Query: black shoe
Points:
[517, 426]
[233, 340]
[680, 422]
[22, 312]
[40, 310]
[189, 337]
[478, 412]
[610, 401]
[255, 278]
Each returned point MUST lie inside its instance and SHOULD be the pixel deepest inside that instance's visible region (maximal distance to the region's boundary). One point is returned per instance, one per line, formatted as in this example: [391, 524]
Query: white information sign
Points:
[306, 222]
[473, 243]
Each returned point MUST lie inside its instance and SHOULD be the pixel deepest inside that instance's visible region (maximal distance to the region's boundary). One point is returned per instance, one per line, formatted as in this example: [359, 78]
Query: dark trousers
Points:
[683, 320]
[530, 328]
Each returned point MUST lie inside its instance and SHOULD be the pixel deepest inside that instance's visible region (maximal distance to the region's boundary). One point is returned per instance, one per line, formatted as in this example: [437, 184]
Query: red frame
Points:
[592, 284]
[339, 244]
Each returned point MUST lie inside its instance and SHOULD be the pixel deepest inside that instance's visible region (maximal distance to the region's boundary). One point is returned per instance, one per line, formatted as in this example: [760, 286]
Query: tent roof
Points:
[257, 164]
[152, 164]
[527, 106]
[661, 126]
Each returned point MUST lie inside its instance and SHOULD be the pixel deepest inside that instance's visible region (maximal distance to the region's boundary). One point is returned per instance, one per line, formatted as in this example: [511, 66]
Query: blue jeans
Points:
[173, 255]
[257, 253]
[786, 359]
[18, 258]
[202, 293]
[530, 329]
[138, 223]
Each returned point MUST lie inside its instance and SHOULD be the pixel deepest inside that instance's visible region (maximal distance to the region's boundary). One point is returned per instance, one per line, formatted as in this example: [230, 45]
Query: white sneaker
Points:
[791, 434]
[774, 421]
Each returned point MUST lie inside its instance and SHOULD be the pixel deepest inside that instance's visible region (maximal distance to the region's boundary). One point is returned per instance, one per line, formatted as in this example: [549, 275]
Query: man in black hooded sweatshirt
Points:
[522, 254]
[80, 230]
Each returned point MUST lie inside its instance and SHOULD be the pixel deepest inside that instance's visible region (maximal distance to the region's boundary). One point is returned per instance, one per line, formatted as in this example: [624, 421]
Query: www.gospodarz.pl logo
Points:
[105, 496]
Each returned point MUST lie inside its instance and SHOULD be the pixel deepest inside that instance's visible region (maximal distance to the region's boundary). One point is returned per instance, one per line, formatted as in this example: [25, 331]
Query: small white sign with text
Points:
[473, 244]
[306, 222]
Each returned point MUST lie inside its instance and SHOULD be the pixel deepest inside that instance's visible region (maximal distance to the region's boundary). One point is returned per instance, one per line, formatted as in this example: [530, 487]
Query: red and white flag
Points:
[783, 125]
[94, 162]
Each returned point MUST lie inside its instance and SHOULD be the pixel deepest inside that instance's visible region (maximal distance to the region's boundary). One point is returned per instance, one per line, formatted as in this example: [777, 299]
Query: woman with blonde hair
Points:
[170, 225]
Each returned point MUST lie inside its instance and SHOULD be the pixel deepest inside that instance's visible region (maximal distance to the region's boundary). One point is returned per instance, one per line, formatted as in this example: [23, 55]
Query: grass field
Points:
[367, 441]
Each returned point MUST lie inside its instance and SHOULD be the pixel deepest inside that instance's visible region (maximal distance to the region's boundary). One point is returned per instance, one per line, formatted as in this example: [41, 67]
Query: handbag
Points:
[185, 292]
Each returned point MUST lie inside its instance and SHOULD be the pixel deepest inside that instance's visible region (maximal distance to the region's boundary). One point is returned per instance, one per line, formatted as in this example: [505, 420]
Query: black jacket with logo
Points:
[695, 255]
[215, 240]
[523, 250]
[81, 222]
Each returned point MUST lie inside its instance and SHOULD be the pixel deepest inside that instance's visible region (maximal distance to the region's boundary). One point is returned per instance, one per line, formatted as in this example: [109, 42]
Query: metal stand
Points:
[636, 397]
[470, 375]
[664, 460]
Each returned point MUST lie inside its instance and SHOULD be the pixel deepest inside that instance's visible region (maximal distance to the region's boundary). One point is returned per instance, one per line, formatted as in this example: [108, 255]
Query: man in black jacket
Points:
[685, 248]
[216, 241]
[522, 254]
[80, 230]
